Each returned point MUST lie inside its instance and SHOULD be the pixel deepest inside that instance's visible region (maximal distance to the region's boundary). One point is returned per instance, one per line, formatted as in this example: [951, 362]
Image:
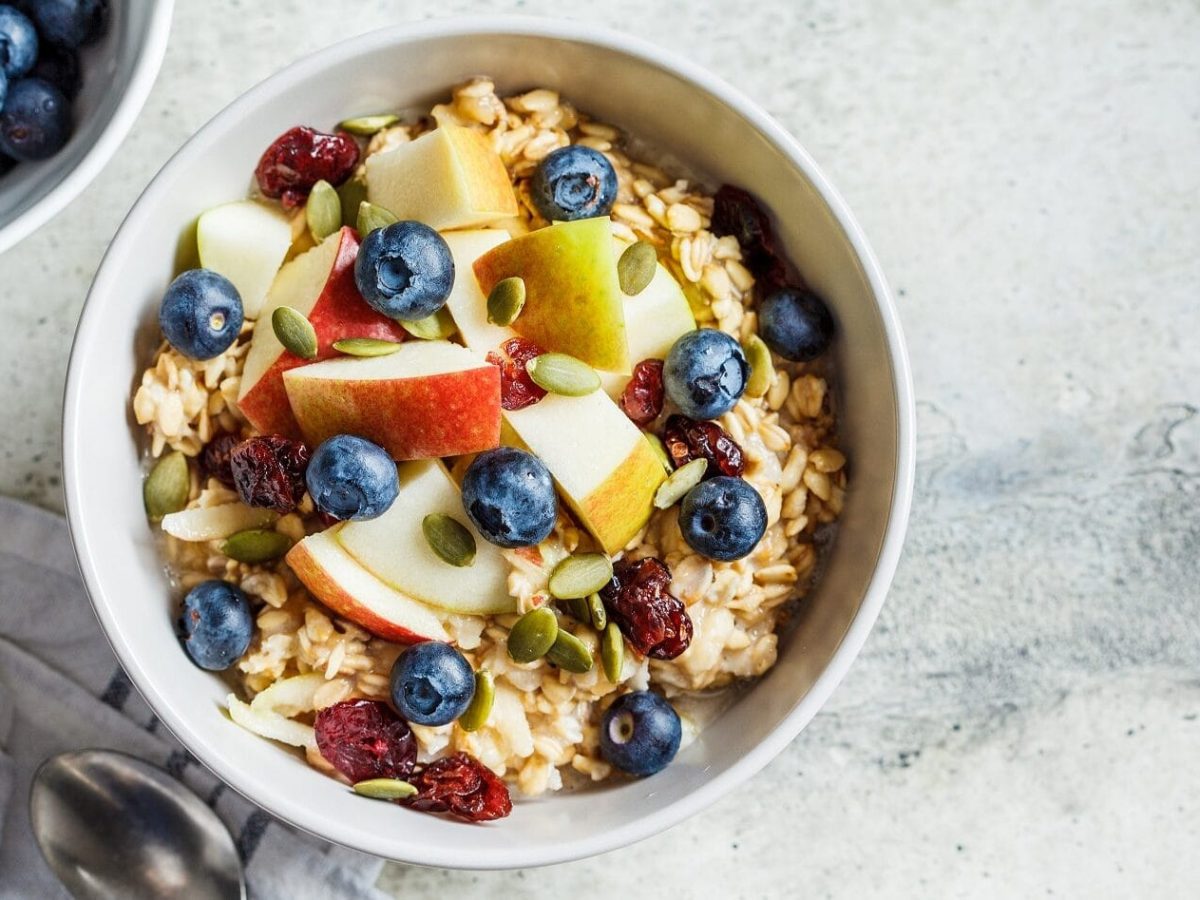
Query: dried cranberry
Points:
[463, 786]
[300, 158]
[517, 389]
[364, 739]
[642, 399]
[638, 599]
[216, 457]
[269, 471]
[687, 439]
[736, 212]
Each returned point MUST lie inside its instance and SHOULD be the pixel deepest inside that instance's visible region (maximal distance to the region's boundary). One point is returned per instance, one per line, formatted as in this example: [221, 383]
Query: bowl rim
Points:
[129, 107]
[294, 811]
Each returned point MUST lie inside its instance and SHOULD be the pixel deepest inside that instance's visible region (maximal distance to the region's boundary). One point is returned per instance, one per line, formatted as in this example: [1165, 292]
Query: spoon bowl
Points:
[111, 825]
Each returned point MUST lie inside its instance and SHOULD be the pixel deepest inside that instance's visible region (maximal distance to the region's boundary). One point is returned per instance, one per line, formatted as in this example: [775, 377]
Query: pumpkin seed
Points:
[384, 789]
[480, 708]
[578, 609]
[533, 635]
[506, 300]
[295, 332]
[256, 545]
[323, 211]
[636, 268]
[562, 374]
[762, 371]
[366, 347]
[365, 126]
[612, 652]
[167, 485]
[660, 452]
[351, 193]
[597, 613]
[681, 481]
[437, 327]
[580, 575]
[449, 539]
[371, 217]
[570, 653]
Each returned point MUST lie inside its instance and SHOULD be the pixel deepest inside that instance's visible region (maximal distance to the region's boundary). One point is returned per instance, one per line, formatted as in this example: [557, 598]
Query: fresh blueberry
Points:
[574, 182]
[432, 684]
[349, 477]
[404, 271]
[70, 23]
[215, 625]
[60, 67]
[36, 120]
[705, 373]
[723, 518]
[201, 314]
[796, 324]
[18, 42]
[3, 90]
[509, 495]
[640, 733]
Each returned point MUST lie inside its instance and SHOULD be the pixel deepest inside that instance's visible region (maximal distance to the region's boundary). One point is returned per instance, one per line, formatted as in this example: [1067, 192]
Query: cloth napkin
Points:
[61, 689]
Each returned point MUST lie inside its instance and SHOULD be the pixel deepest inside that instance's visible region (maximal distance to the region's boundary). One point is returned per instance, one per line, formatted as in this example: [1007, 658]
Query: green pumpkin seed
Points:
[598, 614]
[762, 370]
[351, 193]
[366, 347]
[612, 653]
[384, 789]
[660, 452]
[295, 332]
[681, 481]
[562, 374]
[256, 545]
[636, 268]
[449, 539]
[533, 635]
[580, 575]
[570, 653]
[437, 327]
[365, 126]
[371, 217]
[578, 609]
[167, 485]
[506, 300]
[323, 211]
[480, 708]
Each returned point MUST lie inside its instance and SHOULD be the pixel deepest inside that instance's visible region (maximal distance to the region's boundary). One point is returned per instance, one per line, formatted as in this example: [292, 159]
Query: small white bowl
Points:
[658, 97]
[118, 73]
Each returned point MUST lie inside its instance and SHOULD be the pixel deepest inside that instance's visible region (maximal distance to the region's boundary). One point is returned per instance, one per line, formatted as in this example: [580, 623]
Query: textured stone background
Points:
[1024, 719]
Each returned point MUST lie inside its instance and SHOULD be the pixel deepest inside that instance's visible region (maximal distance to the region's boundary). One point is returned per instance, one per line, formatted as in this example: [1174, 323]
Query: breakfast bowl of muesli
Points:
[515, 444]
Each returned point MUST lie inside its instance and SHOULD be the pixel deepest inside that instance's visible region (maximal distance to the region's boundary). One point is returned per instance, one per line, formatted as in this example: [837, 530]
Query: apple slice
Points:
[246, 241]
[573, 301]
[337, 580]
[212, 523]
[318, 284]
[393, 548]
[428, 399]
[448, 178]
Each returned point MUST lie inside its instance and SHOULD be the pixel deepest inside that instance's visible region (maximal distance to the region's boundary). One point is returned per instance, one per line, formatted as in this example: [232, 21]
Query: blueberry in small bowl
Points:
[705, 373]
[432, 683]
[574, 182]
[18, 43]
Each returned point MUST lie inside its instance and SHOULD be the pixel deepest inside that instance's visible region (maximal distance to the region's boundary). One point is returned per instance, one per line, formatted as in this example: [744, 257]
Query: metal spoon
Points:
[111, 825]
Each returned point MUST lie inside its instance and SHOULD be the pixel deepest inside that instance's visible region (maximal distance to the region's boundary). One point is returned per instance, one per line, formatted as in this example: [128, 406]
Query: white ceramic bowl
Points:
[658, 97]
[118, 73]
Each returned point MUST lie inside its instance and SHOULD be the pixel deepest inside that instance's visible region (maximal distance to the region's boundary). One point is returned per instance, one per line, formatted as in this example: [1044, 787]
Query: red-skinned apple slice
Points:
[318, 284]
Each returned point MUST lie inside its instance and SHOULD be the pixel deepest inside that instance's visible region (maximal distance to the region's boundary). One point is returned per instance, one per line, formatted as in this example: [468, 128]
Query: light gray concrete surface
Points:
[1023, 722]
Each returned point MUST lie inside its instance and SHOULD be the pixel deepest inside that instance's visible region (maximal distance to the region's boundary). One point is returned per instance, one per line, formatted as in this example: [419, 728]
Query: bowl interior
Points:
[32, 192]
[620, 82]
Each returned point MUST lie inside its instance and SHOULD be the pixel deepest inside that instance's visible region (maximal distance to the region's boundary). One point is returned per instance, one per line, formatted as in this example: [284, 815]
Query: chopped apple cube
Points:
[246, 241]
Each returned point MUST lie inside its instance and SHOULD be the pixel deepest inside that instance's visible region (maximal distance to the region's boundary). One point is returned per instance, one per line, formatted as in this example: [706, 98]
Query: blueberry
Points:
[574, 182]
[723, 518]
[216, 624]
[404, 271]
[349, 477]
[60, 67]
[36, 120]
[509, 496]
[18, 43]
[201, 314]
[432, 684]
[640, 733]
[70, 23]
[705, 373]
[796, 324]
[3, 90]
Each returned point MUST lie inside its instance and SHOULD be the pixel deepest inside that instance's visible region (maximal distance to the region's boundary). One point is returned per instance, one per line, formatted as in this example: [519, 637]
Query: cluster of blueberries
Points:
[39, 72]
